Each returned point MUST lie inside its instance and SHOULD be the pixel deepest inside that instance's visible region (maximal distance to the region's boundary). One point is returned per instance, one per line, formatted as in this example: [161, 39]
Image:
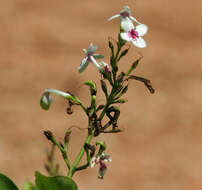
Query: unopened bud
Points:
[46, 101]
[67, 135]
[48, 134]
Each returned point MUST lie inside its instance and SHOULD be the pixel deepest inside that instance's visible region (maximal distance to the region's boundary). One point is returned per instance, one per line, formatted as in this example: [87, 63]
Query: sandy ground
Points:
[41, 46]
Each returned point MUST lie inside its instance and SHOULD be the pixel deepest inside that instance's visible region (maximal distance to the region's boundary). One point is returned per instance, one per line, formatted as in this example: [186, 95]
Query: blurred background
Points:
[41, 47]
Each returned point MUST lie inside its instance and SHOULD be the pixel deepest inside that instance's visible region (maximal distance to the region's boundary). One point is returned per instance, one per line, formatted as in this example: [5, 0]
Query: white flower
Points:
[90, 57]
[134, 34]
[101, 159]
[125, 14]
[93, 162]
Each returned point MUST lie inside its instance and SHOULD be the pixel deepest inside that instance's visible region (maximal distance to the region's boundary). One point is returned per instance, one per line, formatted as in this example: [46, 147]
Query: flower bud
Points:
[93, 87]
[49, 135]
[46, 101]
[67, 135]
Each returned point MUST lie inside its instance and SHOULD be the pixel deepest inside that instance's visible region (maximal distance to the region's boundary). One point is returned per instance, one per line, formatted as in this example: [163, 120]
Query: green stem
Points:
[109, 100]
[83, 107]
[88, 162]
[79, 156]
[63, 151]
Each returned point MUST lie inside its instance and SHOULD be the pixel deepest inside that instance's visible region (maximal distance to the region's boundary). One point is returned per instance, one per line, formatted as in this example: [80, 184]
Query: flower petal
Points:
[92, 48]
[127, 25]
[125, 36]
[113, 17]
[85, 51]
[95, 62]
[98, 56]
[92, 162]
[141, 29]
[104, 64]
[84, 63]
[139, 42]
[126, 9]
[58, 92]
[102, 170]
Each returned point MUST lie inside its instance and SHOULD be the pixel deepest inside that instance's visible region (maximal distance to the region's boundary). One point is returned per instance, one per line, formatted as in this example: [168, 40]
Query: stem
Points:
[79, 156]
[109, 101]
[84, 108]
[63, 151]
[87, 164]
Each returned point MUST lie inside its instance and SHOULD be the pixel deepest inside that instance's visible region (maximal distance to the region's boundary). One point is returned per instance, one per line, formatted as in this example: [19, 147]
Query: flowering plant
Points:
[114, 85]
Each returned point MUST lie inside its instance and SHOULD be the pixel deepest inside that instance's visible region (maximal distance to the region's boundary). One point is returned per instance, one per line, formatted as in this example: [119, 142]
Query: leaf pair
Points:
[42, 183]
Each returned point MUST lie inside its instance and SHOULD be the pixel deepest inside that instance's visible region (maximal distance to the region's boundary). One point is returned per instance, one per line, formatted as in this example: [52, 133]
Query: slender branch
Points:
[81, 153]
[63, 151]
[88, 161]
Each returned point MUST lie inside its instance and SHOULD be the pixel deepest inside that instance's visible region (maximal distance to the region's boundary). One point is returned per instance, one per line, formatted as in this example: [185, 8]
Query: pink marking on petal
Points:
[125, 14]
[89, 55]
[133, 34]
[102, 165]
[106, 68]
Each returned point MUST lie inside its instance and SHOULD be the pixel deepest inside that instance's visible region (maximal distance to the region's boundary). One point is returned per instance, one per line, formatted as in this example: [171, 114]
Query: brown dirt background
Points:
[41, 46]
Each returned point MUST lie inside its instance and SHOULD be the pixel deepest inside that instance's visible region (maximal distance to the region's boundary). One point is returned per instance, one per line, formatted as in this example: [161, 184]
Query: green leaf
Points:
[134, 65]
[123, 53]
[123, 91]
[111, 46]
[6, 183]
[29, 186]
[54, 183]
[121, 101]
[104, 88]
[100, 107]
[93, 87]
[98, 56]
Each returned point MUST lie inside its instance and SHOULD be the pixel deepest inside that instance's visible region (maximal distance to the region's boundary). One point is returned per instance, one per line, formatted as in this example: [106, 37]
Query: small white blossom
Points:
[90, 57]
[125, 15]
[93, 162]
[101, 159]
[134, 34]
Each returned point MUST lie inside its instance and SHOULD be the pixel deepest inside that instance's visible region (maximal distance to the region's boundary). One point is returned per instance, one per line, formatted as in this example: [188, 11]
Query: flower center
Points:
[106, 68]
[133, 34]
[125, 14]
[89, 55]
